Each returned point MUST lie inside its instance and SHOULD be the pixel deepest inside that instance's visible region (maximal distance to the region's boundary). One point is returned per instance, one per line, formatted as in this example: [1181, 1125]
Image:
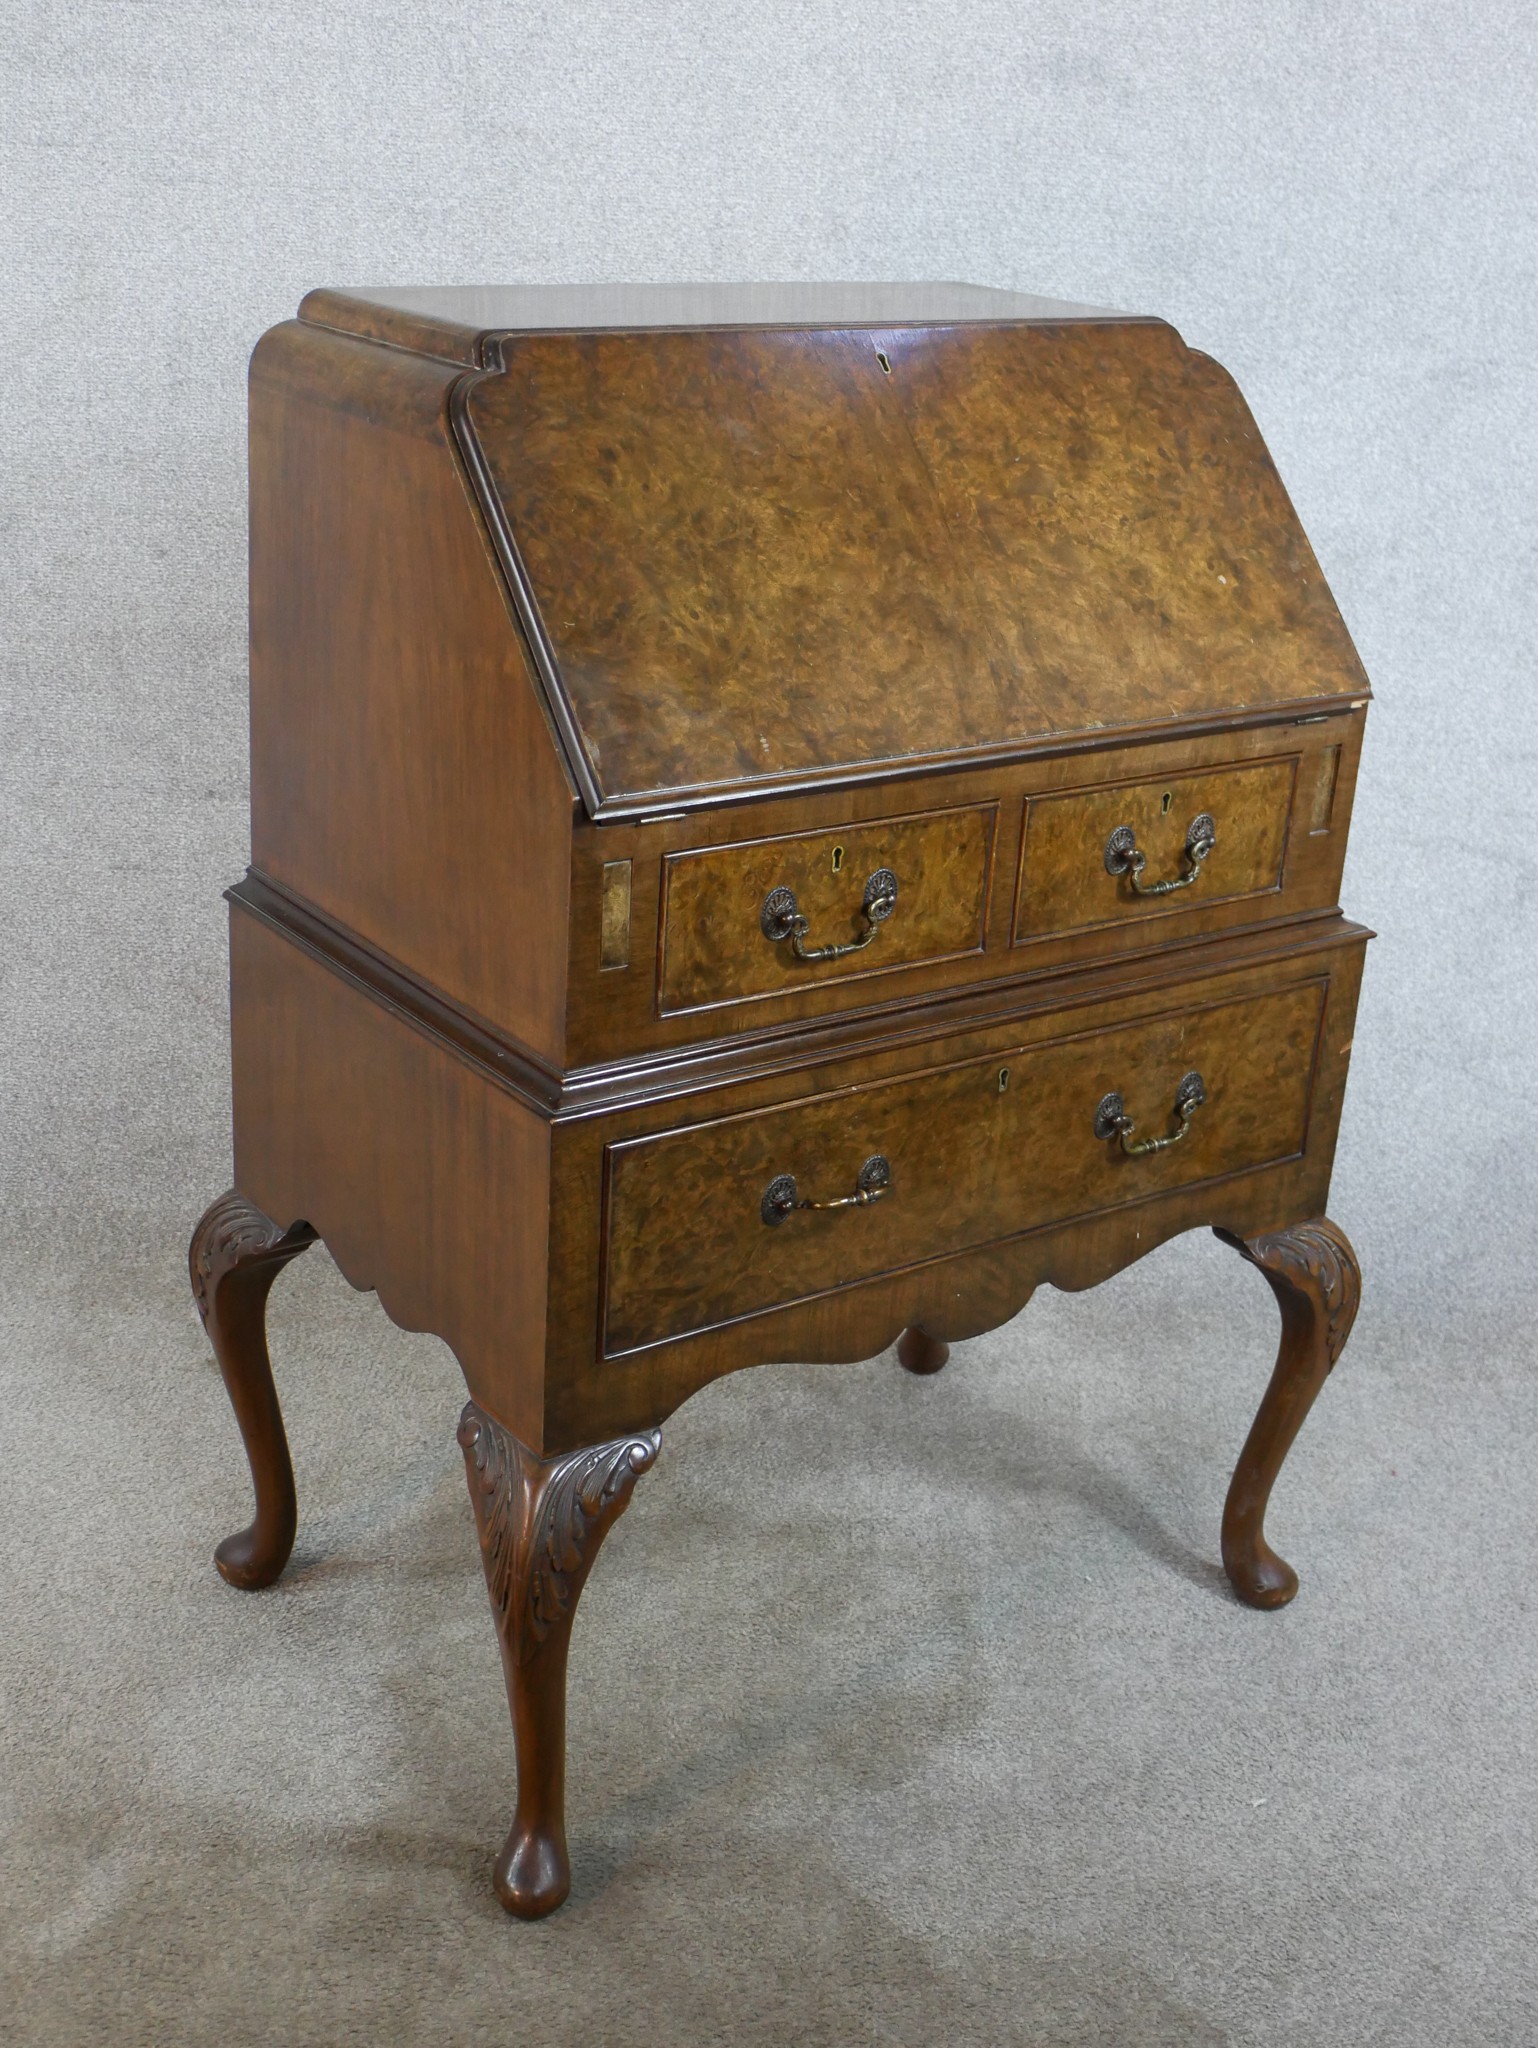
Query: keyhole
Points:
[1167, 800]
[885, 361]
[838, 858]
[1003, 1079]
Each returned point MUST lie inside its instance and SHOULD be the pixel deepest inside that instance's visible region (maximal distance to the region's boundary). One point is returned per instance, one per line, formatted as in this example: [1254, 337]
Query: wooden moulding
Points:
[469, 324]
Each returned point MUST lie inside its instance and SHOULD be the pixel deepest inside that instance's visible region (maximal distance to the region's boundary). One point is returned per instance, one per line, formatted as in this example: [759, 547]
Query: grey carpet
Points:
[902, 1711]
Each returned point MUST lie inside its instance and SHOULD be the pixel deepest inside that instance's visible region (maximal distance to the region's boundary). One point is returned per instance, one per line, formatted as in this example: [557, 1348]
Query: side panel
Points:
[404, 776]
[427, 1181]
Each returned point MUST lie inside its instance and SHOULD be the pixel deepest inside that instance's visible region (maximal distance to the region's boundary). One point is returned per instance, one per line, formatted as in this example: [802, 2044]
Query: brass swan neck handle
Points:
[1112, 1120]
[1122, 857]
[780, 919]
[781, 1198]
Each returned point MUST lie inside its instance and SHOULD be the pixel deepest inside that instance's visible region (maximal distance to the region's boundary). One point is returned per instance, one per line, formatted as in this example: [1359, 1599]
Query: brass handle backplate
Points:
[1112, 1120]
[1123, 858]
[780, 919]
[781, 1198]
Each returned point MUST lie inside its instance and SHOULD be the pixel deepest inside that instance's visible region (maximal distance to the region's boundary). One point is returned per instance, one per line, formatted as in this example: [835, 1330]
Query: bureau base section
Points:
[725, 1218]
[591, 1271]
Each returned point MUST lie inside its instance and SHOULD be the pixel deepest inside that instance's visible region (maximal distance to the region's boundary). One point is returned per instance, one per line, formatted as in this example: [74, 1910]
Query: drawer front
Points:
[975, 1151]
[720, 945]
[1066, 879]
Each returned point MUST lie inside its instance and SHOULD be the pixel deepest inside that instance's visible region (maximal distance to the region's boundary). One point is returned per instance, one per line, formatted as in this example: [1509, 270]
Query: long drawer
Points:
[715, 1221]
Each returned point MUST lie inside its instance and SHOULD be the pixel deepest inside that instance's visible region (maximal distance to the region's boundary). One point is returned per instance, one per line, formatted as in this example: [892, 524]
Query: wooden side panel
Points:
[762, 558]
[428, 1182]
[404, 777]
[1065, 885]
[714, 949]
[976, 1151]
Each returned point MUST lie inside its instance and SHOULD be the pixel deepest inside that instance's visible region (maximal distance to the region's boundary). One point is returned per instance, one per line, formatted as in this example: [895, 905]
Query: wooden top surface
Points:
[759, 557]
[459, 321]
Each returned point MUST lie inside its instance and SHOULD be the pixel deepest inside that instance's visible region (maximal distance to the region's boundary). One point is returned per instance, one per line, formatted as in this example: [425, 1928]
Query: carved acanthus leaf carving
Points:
[231, 1233]
[496, 1493]
[1316, 1259]
[540, 1521]
[575, 1500]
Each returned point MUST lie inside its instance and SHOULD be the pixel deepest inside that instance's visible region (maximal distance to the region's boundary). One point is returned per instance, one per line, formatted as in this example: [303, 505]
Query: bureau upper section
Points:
[765, 539]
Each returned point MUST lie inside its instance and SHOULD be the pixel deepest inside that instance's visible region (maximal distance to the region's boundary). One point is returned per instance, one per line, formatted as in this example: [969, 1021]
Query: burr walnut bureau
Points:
[783, 817]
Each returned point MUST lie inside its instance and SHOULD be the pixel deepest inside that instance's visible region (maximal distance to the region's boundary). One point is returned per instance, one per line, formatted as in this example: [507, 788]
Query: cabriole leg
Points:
[919, 1352]
[540, 1522]
[235, 1255]
[1313, 1273]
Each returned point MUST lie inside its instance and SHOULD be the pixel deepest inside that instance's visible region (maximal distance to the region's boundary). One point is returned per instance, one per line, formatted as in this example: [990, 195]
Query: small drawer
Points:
[1131, 850]
[706, 1224]
[768, 916]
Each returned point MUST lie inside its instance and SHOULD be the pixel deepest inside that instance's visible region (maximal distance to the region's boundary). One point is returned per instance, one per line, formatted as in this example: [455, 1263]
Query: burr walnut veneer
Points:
[783, 817]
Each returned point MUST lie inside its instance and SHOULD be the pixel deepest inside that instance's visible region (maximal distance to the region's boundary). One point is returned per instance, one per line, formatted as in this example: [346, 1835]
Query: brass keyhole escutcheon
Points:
[1003, 1079]
[838, 858]
[885, 361]
[1168, 799]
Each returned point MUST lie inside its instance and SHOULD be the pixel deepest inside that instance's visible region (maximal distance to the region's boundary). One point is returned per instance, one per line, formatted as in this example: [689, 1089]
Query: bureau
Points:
[783, 818]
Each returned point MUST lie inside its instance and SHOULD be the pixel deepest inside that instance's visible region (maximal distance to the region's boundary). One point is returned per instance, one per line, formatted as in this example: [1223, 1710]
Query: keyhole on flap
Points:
[838, 858]
[1165, 802]
[885, 361]
[1003, 1079]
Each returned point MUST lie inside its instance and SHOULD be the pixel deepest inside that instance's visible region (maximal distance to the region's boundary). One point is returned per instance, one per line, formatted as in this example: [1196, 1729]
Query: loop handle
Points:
[1123, 858]
[781, 1199]
[1112, 1120]
[780, 919]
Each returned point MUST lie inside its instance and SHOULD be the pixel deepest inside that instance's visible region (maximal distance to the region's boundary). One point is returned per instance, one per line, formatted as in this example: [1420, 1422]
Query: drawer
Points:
[897, 892]
[1076, 867]
[698, 1228]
